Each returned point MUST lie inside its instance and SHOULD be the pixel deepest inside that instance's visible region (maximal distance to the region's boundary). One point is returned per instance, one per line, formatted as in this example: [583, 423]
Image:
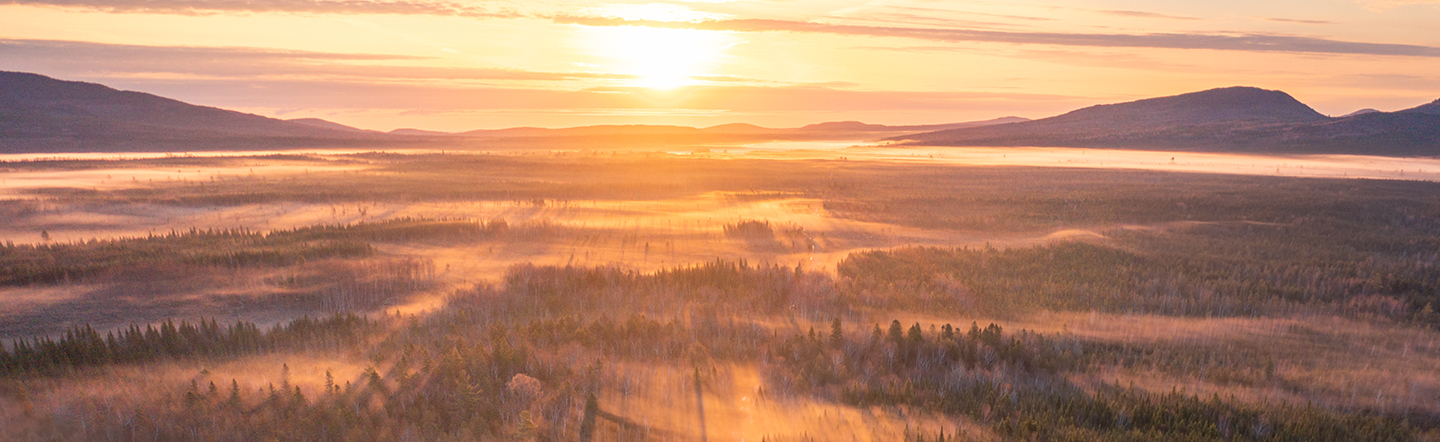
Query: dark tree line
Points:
[726, 285]
[50, 263]
[83, 346]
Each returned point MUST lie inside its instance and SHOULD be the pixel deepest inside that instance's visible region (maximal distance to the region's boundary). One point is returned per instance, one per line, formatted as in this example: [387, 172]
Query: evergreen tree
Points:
[234, 400]
[915, 336]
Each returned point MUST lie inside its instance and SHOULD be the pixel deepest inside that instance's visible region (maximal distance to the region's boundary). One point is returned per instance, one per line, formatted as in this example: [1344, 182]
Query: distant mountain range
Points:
[832, 130]
[1235, 119]
[42, 114]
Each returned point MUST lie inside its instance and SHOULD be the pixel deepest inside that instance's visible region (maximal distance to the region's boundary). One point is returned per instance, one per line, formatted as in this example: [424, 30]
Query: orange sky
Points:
[459, 65]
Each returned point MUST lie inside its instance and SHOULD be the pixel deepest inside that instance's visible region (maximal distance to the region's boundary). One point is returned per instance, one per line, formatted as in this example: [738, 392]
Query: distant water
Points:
[1314, 166]
[776, 146]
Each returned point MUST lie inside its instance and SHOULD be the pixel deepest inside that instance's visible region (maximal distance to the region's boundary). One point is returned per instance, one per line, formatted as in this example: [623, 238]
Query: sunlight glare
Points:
[658, 58]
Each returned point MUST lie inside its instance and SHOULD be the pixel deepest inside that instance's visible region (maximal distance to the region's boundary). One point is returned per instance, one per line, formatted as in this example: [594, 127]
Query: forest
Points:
[601, 296]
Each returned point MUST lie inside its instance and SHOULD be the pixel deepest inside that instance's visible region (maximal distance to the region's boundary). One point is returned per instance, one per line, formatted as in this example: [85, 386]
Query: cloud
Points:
[923, 20]
[1143, 14]
[302, 94]
[1237, 42]
[1382, 5]
[918, 15]
[71, 58]
[192, 7]
[1303, 22]
[263, 78]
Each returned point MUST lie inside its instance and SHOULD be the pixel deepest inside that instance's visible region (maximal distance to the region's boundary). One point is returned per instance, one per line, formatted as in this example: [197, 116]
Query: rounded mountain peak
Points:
[1240, 103]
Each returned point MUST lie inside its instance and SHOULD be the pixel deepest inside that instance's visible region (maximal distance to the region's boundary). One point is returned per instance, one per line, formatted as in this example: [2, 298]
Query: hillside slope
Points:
[42, 114]
[1236, 119]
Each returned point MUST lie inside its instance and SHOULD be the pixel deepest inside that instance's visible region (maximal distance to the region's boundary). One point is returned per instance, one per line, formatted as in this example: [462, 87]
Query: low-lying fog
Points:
[645, 235]
[1318, 166]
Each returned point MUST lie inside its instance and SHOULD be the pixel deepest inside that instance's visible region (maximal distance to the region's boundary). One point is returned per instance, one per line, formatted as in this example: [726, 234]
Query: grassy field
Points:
[644, 296]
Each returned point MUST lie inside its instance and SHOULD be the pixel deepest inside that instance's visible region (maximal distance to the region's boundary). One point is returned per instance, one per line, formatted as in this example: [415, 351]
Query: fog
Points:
[1317, 166]
[737, 407]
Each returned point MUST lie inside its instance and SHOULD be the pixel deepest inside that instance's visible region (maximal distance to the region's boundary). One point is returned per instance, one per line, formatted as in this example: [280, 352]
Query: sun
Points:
[657, 58]
[660, 58]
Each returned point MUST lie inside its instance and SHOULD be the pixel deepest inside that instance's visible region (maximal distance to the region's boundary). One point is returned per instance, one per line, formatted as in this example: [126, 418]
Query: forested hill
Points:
[43, 114]
[1235, 119]
[1432, 109]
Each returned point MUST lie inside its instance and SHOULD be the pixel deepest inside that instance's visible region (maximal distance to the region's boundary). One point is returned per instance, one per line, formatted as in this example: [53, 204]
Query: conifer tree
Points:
[915, 336]
[234, 400]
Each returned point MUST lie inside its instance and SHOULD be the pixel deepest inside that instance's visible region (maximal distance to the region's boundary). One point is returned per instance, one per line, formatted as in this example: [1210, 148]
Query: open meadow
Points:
[842, 294]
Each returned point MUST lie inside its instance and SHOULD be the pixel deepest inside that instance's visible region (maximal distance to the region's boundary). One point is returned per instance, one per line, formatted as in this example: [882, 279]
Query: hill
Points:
[43, 114]
[418, 132]
[1433, 109]
[1360, 112]
[325, 124]
[738, 128]
[1236, 119]
[858, 127]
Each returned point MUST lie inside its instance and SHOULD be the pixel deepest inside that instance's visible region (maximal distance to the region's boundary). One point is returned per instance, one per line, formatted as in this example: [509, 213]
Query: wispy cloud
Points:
[932, 15]
[97, 59]
[1381, 5]
[195, 7]
[1143, 14]
[302, 94]
[1228, 42]
[1303, 22]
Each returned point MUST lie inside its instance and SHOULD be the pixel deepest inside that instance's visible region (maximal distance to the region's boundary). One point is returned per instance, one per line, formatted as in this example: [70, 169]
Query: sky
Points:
[463, 65]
